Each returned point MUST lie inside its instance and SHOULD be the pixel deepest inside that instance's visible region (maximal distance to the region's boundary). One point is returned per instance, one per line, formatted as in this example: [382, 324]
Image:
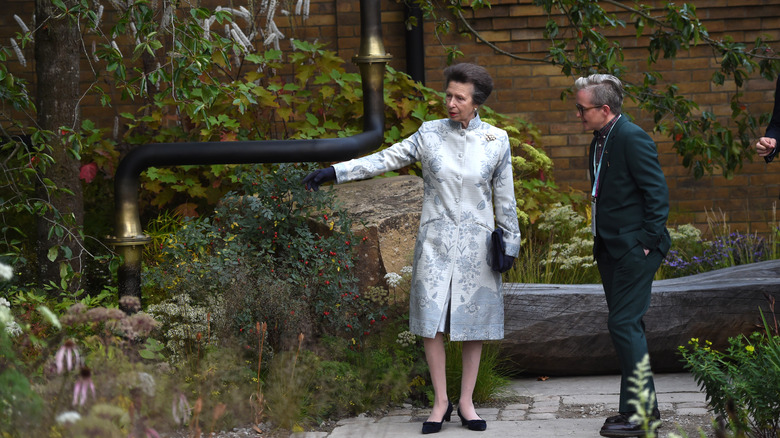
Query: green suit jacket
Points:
[633, 201]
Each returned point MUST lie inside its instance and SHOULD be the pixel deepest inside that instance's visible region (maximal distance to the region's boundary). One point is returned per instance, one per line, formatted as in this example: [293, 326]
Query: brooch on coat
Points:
[490, 137]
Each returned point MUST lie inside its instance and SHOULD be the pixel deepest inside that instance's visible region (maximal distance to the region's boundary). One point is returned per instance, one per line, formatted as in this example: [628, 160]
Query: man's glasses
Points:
[581, 109]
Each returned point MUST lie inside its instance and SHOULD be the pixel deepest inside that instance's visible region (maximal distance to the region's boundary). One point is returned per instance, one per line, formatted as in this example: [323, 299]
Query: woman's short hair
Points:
[470, 74]
[604, 89]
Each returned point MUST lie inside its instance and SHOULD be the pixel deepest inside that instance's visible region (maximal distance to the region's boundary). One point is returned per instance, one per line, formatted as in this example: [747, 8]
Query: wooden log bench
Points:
[553, 329]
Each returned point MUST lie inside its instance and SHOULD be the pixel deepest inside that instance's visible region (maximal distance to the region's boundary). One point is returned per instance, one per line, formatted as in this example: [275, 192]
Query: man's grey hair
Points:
[605, 90]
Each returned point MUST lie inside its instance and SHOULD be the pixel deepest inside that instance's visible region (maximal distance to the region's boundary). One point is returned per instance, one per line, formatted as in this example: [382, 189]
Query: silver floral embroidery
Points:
[458, 214]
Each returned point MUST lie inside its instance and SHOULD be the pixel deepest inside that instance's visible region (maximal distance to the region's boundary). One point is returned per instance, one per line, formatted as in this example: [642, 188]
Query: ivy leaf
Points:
[52, 253]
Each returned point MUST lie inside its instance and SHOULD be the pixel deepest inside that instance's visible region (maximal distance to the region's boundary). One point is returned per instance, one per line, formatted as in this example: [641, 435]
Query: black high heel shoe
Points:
[478, 425]
[435, 426]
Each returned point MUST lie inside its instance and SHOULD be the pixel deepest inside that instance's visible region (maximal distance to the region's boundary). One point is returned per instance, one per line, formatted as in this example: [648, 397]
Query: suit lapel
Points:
[609, 144]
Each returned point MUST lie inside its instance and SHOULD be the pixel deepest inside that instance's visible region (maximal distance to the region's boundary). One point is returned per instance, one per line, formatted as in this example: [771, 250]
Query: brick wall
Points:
[532, 90]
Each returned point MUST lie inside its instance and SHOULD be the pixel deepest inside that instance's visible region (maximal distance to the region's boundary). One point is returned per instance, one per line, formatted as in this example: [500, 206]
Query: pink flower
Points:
[67, 357]
[83, 383]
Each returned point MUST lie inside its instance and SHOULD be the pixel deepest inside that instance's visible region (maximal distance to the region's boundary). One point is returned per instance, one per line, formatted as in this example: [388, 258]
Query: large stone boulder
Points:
[562, 329]
[386, 211]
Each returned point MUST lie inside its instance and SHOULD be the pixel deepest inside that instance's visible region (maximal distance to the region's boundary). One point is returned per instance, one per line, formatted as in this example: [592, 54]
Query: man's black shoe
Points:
[620, 426]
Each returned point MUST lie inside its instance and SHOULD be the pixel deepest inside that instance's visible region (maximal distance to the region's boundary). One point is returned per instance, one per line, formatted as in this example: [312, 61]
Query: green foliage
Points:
[646, 399]
[321, 102]
[20, 405]
[362, 381]
[492, 377]
[182, 325]
[191, 84]
[557, 248]
[218, 382]
[84, 355]
[29, 179]
[288, 390]
[741, 382]
[723, 248]
[299, 94]
[262, 259]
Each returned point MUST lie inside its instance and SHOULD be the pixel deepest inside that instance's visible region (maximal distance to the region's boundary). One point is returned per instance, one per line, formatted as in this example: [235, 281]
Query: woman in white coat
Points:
[468, 192]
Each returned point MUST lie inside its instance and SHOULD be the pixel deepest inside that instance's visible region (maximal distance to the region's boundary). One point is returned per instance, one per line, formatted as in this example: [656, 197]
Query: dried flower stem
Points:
[300, 341]
[219, 410]
[194, 428]
[261, 331]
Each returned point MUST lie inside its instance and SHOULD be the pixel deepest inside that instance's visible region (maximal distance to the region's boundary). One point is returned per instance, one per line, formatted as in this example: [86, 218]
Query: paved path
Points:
[557, 407]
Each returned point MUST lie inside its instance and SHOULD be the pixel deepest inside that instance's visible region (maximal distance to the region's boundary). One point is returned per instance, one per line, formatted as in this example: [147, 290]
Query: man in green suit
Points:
[630, 206]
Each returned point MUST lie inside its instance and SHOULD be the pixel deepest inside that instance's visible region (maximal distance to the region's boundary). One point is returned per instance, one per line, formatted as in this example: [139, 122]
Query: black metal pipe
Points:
[129, 238]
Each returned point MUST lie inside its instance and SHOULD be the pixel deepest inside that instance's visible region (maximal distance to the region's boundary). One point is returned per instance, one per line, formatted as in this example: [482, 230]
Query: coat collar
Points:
[473, 124]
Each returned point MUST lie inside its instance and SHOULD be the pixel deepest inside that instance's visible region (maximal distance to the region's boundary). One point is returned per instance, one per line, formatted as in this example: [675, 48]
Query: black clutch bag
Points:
[497, 249]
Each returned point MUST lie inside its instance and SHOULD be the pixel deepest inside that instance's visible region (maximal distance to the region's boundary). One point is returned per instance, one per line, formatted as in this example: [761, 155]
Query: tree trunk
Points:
[57, 56]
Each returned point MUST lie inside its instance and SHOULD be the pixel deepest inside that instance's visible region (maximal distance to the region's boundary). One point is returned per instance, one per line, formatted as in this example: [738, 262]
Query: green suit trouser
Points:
[627, 283]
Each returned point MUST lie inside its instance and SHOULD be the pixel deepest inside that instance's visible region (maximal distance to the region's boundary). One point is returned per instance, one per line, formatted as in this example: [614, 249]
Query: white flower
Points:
[48, 314]
[5, 303]
[7, 320]
[116, 47]
[146, 383]
[19, 54]
[6, 272]
[24, 27]
[68, 417]
[393, 279]
[406, 338]
[406, 270]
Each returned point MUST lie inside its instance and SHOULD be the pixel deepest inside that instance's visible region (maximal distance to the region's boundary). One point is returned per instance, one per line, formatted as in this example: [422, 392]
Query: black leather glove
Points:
[314, 180]
[500, 262]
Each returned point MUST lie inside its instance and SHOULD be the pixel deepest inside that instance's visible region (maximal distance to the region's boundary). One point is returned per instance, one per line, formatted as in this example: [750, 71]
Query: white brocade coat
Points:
[468, 191]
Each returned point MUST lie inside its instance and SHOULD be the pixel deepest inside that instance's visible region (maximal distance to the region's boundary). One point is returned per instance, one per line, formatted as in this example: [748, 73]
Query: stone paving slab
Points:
[542, 415]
